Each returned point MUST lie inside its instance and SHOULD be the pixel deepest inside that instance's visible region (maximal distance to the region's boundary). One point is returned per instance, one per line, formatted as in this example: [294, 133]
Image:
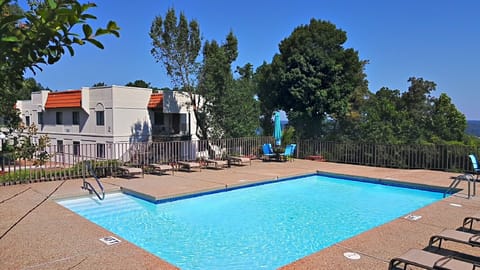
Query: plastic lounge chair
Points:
[469, 221]
[288, 152]
[217, 164]
[162, 168]
[189, 165]
[455, 236]
[268, 152]
[474, 160]
[237, 160]
[129, 171]
[428, 260]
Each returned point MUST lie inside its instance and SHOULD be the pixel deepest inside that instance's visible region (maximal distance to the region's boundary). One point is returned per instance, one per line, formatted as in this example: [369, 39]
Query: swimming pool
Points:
[260, 227]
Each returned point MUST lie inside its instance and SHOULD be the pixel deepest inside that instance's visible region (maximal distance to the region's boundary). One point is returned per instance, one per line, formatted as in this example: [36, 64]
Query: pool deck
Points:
[37, 233]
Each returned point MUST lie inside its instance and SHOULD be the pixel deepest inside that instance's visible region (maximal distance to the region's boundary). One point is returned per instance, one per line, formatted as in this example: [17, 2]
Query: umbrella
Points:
[277, 131]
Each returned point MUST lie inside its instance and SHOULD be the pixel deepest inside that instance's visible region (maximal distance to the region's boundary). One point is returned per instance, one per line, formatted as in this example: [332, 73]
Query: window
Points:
[76, 148]
[100, 118]
[27, 121]
[75, 118]
[59, 118]
[40, 118]
[100, 150]
[60, 146]
[158, 118]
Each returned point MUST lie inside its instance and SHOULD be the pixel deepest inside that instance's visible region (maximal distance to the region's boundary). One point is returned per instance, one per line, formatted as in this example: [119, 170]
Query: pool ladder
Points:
[456, 181]
[87, 186]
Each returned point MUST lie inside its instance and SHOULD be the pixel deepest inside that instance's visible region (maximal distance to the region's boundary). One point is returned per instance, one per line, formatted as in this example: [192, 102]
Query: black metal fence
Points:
[67, 161]
[431, 157]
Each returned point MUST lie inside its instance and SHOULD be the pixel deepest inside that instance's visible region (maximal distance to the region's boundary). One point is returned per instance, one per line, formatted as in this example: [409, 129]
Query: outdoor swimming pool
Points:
[260, 227]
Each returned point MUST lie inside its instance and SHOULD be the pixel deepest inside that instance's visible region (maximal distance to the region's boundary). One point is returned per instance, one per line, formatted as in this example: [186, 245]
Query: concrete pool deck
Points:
[37, 233]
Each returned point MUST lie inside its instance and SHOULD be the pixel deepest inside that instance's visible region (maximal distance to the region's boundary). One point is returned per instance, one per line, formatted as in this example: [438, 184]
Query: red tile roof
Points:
[156, 101]
[65, 99]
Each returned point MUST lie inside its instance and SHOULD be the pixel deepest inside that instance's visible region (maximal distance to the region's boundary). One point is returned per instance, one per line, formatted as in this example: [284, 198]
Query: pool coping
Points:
[198, 193]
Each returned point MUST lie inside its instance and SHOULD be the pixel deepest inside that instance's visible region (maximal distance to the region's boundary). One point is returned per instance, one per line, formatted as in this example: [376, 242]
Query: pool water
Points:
[260, 227]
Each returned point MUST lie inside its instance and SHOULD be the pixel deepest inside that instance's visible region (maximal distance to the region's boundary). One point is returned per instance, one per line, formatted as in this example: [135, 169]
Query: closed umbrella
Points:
[277, 131]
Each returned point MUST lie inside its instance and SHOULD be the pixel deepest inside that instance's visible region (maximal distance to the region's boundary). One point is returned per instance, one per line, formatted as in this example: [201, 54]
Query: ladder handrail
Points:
[456, 181]
[88, 186]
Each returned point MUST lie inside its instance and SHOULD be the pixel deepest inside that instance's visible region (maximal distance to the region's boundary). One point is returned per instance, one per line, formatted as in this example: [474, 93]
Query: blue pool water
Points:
[260, 227]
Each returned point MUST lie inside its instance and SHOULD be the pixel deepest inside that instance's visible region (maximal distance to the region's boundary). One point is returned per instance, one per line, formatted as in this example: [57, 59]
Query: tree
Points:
[316, 76]
[139, 83]
[40, 36]
[176, 44]
[99, 84]
[448, 124]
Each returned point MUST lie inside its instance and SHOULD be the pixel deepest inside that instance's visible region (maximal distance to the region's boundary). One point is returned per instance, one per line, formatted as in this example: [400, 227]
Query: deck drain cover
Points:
[456, 204]
[351, 255]
[413, 217]
[110, 240]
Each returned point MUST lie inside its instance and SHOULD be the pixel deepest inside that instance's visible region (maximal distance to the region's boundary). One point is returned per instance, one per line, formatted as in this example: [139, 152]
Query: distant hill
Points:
[473, 127]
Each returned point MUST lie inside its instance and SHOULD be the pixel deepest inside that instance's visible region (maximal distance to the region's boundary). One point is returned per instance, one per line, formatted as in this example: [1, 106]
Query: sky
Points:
[437, 40]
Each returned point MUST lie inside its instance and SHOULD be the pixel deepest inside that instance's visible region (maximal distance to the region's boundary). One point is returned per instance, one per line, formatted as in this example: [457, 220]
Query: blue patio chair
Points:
[288, 153]
[474, 160]
[268, 152]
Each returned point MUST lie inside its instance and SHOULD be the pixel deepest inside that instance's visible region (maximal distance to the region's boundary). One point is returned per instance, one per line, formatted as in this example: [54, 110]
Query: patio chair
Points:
[476, 169]
[288, 154]
[189, 165]
[268, 152]
[469, 221]
[455, 236]
[162, 168]
[216, 163]
[238, 160]
[129, 172]
[428, 260]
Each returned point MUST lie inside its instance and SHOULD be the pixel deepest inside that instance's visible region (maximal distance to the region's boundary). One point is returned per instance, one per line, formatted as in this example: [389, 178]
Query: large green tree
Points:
[40, 36]
[176, 43]
[315, 77]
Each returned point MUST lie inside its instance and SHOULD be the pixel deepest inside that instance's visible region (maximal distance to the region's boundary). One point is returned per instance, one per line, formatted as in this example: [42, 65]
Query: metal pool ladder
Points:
[87, 186]
[456, 181]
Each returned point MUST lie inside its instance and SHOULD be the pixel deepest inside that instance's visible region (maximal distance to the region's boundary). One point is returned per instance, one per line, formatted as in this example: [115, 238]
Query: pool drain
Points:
[351, 255]
[110, 240]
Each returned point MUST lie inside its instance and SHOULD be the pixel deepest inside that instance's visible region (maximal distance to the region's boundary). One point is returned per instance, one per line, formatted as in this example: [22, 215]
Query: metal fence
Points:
[431, 157]
[67, 161]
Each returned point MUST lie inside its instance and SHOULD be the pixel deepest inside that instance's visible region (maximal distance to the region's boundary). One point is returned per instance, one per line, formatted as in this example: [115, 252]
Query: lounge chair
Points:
[288, 154]
[455, 236]
[217, 164]
[237, 160]
[469, 221]
[476, 169]
[428, 260]
[268, 152]
[189, 165]
[162, 168]
[129, 172]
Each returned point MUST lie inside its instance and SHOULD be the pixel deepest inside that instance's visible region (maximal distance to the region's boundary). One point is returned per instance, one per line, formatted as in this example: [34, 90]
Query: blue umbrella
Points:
[277, 131]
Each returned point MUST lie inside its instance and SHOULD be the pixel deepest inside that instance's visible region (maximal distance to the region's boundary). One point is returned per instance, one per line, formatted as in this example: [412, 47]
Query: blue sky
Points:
[437, 40]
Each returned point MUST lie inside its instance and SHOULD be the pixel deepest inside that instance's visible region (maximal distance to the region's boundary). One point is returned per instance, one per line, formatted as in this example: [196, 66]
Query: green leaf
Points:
[52, 4]
[97, 43]
[10, 39]
[87, 30]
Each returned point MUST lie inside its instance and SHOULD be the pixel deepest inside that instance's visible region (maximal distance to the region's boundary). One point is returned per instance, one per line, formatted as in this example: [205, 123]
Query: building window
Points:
[40, 118]
[100, 118]
[75, 118]
[60, 146]
[27, 121]
[59, 118]
[158, 118]
[76, 148]
[100, 150]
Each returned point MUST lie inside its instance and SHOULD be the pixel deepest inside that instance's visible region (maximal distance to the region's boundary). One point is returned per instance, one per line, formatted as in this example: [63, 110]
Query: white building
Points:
[103, 116]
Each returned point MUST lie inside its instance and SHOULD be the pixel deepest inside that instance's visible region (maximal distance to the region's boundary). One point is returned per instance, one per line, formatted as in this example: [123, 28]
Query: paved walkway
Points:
[37, 233]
